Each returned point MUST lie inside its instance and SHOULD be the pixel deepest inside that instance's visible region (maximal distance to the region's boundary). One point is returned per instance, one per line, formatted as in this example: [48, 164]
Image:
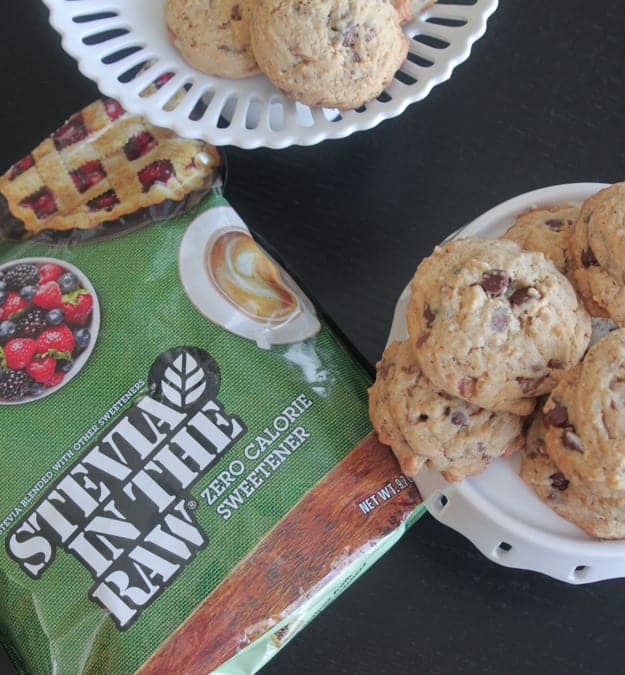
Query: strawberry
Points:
[54, 379]
[41, 370]
[77, 311]
[19, 352]
[13, 305]
[56, 341]
[49, 272]
[48, 296]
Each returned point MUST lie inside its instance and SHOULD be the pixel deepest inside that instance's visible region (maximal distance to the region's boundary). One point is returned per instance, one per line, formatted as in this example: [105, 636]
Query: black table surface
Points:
[541, 101]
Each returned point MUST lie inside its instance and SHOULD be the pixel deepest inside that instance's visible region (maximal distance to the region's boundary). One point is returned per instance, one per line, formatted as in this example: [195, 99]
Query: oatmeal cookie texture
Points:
[547, 231]
[599, 514]
[381, 417]
[213, 35]
[424, 424]
[330, 53]
[598, 253]
[493, 324]
[585, 417]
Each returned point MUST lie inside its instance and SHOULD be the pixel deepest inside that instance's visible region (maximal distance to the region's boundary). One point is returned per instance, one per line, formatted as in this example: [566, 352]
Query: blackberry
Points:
[15, 385]
[29, 325]
[21, 275]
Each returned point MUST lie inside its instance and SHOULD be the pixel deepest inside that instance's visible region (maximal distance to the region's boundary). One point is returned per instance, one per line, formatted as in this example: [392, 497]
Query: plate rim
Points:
[552, 554]
[60, 19]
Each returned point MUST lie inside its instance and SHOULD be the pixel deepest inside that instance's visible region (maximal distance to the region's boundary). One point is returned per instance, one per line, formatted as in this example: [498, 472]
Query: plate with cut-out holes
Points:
[123, 47]
[496, 510]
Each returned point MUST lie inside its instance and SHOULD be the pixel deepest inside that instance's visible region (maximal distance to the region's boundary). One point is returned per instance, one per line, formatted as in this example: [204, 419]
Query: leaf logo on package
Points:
[121, 510]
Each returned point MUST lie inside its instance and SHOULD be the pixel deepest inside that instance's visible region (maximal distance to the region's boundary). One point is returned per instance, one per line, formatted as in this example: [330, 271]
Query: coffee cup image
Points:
[234, 283]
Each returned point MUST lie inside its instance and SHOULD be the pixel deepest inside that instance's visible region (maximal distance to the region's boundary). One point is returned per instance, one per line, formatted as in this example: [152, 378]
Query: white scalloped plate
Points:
[497, 511]
[113, 39]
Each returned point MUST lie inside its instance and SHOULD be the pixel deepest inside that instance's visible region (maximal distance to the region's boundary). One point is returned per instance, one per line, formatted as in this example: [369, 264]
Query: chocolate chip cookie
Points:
[213, 35]
[547, 231]
[598, 253]
[457, 438]
[585, 416]
[330, 53]
[493, 324]
[409, 9]
[381, 417]
[600, 514]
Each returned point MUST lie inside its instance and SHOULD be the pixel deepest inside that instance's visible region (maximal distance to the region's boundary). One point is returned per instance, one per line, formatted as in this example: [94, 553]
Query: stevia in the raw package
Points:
[188, 474]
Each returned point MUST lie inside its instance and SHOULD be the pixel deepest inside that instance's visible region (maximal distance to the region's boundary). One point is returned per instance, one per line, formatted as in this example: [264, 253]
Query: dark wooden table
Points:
[541, 101]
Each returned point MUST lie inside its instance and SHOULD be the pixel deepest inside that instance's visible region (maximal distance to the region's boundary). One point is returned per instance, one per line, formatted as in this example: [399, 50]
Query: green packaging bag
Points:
[188, 473]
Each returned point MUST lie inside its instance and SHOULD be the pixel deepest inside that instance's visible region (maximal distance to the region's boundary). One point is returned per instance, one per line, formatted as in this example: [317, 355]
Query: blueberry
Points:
[8, 330]
[3, 284]
[3, 297]
[28, 292]
[68, 283]
[83, 336]
[36, 389]
[55, 317]
[64, 366]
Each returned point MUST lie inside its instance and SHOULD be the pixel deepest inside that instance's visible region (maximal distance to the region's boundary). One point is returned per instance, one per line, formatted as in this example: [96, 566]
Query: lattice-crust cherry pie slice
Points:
[101, 166]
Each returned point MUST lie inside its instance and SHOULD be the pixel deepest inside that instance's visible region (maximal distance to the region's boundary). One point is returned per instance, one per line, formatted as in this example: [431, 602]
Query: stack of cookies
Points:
[575, 453]
[330, 53]
[491, 328]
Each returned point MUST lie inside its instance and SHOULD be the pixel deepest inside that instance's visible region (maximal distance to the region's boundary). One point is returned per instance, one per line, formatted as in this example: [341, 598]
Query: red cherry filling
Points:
[21, 166]
[157, 172]
[112, 108]
[104, 202]
[139, 144]
[162, 80]
[71, 132]
[88, 175]
[41, 202]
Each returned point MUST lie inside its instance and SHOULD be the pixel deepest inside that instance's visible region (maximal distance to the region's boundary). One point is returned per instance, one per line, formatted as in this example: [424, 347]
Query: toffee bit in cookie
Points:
[572, 441]
[459, 419]
[235, 13]
[554, 224]
[500, 319]
[495, 283]
[429, 316]
[558, 481]
[422, 339]
[467, 387]
[557, 416]
[588, 258]
[556, 364]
